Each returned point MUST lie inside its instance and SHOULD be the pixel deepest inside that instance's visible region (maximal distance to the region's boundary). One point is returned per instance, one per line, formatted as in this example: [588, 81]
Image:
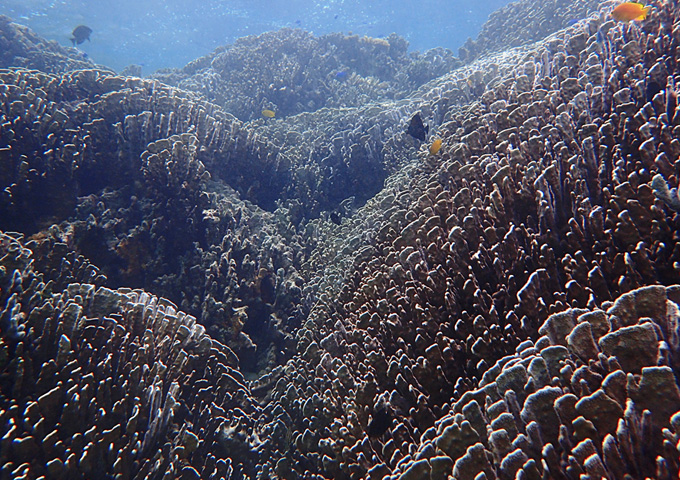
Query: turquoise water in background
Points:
[165, 34]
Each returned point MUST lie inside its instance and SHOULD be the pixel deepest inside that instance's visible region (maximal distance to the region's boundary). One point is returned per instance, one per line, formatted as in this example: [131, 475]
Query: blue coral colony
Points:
[351, 261]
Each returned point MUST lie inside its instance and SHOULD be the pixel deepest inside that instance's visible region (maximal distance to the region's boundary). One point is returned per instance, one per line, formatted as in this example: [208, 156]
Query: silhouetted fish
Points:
[268, 288]
[380, 423]
[671, 102]
[416, 128]
[651, 89]
[80, 34]
[336, 217]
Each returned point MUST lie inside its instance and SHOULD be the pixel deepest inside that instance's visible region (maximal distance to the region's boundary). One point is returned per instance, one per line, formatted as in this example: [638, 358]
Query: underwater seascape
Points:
[340, 240]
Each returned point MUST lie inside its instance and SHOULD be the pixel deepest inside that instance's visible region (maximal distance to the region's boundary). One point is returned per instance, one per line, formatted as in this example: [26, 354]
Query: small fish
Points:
[630, 11]
[268, 113]
[416, 128]
[336, 217]
[341, 75]
[671, 100]
[80, 34]
[651, 89]
[380, 423]
[436, 145]
[267, 287]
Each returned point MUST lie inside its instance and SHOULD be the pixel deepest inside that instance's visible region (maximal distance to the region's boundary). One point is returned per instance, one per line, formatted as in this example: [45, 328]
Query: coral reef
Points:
[576, 402]
[117, 379]
[21, 47]
[192, 296]
[291, 71]
[522, 22]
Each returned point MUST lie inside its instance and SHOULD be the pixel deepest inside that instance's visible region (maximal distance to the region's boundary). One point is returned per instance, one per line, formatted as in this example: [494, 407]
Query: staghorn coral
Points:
[506, 308]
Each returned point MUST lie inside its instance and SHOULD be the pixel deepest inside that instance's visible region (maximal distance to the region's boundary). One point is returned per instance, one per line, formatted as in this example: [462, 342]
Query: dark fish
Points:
[652, 88]
[341, 75]
[671, 103]
[336, 217]
[416, 128]
[380, 423]
[268, 288]
[80, 34]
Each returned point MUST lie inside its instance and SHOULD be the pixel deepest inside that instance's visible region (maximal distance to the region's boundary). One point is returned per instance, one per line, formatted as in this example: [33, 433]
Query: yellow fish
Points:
[630, 11]
[436, 145]
[268, 113]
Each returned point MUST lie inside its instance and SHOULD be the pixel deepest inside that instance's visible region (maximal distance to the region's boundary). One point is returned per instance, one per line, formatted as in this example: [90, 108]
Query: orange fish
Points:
[630, 11]
[436, 145]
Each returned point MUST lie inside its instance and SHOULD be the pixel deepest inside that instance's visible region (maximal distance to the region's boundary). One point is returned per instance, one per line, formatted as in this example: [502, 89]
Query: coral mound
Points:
[578, 401]
[21, 47]
[292, 71]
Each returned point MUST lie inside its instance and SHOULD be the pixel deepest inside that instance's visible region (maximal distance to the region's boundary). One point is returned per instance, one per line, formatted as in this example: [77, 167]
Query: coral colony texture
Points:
[189, 290]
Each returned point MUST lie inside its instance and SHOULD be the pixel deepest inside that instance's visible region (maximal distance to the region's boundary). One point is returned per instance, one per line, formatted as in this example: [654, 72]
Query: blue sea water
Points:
[169, 33]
